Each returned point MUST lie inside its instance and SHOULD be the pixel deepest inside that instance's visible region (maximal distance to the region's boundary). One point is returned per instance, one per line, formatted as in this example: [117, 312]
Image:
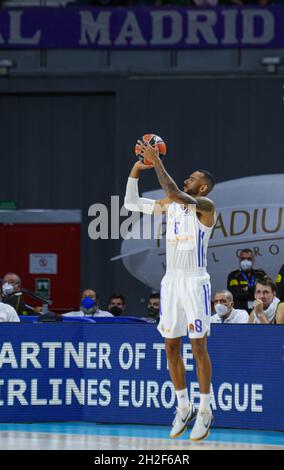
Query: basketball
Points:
[153, 140]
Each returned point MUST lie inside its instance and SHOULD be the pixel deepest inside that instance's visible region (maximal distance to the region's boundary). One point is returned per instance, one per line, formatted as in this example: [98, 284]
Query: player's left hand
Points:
[150, 154]
[258, 307]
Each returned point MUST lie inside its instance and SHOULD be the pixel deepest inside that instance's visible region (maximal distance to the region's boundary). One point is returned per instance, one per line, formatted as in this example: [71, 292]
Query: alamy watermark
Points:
[116, 222]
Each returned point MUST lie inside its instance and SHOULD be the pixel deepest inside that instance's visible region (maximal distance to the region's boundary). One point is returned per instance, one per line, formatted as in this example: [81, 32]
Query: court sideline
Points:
[90, 436]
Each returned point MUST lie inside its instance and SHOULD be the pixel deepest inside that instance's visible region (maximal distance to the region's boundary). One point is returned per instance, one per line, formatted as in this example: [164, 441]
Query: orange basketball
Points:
[153, 140]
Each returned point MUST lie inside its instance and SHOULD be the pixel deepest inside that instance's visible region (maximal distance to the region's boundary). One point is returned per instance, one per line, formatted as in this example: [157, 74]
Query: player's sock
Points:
[204, 401]
[182, 398]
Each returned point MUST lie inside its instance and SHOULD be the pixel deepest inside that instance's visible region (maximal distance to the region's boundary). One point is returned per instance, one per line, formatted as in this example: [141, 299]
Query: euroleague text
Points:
[70, 379]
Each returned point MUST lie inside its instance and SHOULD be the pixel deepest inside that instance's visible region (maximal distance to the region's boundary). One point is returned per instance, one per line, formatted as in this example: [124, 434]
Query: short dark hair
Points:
[97, 295]
[154, 295]
[247, 250]
[116, 296]
[266, 281]
[209, 178]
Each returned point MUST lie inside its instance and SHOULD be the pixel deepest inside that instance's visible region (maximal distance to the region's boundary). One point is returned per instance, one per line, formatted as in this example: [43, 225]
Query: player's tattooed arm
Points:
[204, 205]
[167, 183]
[169, 186]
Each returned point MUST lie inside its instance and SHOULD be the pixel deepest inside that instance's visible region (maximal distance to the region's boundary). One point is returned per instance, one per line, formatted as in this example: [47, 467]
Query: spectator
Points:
[225, 311]
[280, 284]
[8, 313]
[153, 308]
[266, 303]
[279, 317]
[242, 281]
[12, 294]
[89, 306]
[116, 304]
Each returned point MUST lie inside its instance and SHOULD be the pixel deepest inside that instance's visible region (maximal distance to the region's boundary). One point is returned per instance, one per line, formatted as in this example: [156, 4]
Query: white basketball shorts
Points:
[185, 305]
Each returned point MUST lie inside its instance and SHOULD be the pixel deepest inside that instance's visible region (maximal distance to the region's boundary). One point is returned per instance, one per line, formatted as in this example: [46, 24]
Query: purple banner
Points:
[141, 28]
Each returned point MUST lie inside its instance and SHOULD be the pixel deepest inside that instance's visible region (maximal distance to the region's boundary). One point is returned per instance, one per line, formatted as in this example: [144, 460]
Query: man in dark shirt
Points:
[242, 281]
[280, 284]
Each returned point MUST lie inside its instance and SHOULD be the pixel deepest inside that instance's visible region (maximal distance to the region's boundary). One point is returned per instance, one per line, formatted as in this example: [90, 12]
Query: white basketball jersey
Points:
[186, 239]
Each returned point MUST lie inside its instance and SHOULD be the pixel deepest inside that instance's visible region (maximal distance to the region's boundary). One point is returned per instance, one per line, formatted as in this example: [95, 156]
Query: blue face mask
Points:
[88, 303]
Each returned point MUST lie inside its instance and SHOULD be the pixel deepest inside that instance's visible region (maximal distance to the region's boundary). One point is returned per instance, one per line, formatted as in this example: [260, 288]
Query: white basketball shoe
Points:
[182, 419]
[202, 425]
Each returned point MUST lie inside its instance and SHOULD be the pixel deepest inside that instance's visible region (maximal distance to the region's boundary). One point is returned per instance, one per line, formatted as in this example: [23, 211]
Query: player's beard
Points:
[191, 192]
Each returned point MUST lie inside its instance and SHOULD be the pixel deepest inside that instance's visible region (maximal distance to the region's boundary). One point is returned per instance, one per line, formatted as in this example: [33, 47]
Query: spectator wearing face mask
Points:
[242, 281]
[153, 309]
[12, 294]
[89, 306]
[267, 307]
[225, 312]
[116, 304]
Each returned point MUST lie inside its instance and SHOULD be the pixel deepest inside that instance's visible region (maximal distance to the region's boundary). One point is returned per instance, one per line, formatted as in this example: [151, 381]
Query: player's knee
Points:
[198, 349]
[172, 349]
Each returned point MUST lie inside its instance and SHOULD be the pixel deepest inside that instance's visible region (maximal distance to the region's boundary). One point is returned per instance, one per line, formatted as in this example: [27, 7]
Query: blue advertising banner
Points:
[118, 373]
[142, 28]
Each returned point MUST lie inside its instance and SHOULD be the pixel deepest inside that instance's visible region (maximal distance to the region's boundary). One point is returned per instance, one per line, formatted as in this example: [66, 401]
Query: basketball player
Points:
[185, 288]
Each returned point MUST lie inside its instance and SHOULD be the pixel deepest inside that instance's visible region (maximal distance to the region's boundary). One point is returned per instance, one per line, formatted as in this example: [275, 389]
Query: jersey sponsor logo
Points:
[164, 329]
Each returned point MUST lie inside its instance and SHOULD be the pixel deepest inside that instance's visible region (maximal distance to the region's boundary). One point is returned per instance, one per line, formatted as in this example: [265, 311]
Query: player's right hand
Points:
[141, 166]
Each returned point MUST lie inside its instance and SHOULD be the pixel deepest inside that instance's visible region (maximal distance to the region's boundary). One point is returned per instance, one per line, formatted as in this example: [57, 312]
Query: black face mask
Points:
[153, 312]
[116, 311]
[12, 299]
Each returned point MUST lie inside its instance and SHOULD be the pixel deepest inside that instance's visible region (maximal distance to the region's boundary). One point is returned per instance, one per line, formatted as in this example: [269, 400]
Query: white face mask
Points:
[221, 309]
[246, 264]
[7, 288]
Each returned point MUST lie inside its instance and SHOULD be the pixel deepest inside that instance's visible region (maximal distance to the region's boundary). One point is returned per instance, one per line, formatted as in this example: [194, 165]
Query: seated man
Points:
[12, 294]
[242, 281]
[153, 308]
[116, 304]
[280, 284]
[266, 303]
[8, 313]
[89, 306]
[225, 311]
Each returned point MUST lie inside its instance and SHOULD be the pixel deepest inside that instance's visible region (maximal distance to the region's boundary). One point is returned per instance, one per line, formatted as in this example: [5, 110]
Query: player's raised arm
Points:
[133, 202]
[168, 184]
[204, 206]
